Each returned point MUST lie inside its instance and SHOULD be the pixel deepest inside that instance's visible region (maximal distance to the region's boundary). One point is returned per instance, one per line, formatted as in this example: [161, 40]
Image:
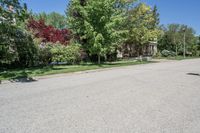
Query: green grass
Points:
[14, 74]
[178, 57]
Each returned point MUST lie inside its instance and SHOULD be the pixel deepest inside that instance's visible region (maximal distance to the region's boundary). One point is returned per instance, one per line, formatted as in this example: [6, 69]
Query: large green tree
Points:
[174, 35]
[98, 24]
[142, 24]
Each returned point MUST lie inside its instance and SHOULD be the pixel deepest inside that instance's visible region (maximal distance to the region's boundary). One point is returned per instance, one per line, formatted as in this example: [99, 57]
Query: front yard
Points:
[14, 74]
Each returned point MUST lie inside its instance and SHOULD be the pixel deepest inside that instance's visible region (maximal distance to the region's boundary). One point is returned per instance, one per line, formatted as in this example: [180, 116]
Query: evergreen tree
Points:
[156, 17]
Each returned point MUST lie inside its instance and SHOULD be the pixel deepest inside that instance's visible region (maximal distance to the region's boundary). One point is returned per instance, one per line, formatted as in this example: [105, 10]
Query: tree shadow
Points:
[193, 74]
[22, 77]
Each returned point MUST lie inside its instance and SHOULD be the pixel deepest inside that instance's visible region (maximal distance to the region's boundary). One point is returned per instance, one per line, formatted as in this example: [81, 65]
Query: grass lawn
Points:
[178, 57]
[14, 74]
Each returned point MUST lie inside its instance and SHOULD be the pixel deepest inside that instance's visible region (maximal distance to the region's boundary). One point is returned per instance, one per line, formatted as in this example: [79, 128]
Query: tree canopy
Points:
[97, 24]
[55, 19]
[12, 10]
[142, 23]
[173, 39]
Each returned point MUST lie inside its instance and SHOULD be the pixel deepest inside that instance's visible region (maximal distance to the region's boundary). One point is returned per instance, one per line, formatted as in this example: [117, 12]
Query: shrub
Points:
[70, 54]
[167, 53]
[16, 47]
[26, 49]
[158, 54]
[45, 55]
[8, 53]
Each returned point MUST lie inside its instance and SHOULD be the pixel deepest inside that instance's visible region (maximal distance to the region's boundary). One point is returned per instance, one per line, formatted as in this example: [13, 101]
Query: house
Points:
[131, 50]
[150, 49]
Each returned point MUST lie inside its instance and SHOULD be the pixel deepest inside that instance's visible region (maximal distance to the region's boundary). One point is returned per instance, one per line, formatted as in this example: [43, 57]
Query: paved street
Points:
[152, 98]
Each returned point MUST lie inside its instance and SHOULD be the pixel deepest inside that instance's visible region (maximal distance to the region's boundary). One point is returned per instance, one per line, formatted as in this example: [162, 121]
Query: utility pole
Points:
[184, 45]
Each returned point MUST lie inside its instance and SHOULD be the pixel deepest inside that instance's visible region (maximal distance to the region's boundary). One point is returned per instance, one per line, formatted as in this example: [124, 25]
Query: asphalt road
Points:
[152, 98]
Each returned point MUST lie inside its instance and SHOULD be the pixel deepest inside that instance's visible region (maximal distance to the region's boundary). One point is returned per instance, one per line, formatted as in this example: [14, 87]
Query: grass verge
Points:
[178, 58]
[14, 74]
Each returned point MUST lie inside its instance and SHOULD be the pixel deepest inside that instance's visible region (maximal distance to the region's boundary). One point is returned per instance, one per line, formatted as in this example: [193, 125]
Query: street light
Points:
[184, 47]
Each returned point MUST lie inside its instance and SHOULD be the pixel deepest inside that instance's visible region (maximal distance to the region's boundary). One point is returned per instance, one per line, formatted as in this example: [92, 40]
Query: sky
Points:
[171, 11]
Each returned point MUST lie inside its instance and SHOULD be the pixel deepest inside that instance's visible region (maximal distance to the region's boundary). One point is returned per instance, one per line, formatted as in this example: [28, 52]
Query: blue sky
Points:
[171, 11]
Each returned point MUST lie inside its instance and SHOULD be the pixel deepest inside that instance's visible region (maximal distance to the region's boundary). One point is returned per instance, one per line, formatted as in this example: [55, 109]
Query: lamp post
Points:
[184, 45]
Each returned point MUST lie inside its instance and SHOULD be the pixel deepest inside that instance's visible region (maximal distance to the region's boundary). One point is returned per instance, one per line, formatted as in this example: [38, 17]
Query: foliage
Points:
[55, 19]
[16, 47]
[7, 55]
[167, 53]
[156, 18]
[69, 54]
[12, 11]
[26, 49]
[44, 55]
[97, 24]
[48, 33]
[142, 24]
[172, 39]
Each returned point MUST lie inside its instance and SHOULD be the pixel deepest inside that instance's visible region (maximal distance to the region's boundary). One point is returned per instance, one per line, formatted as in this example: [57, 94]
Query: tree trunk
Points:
[99, 59]
[138, 50]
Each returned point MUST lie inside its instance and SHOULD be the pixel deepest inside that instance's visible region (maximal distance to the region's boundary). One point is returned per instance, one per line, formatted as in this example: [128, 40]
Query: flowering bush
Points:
[48, 33]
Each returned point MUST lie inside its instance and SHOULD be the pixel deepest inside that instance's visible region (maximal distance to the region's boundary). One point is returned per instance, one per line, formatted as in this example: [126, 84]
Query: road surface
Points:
[152, 98]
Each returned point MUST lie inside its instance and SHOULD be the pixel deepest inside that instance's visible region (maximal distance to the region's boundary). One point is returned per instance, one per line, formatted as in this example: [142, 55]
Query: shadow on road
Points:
[24, 80]
[24, 77]
[193, 74]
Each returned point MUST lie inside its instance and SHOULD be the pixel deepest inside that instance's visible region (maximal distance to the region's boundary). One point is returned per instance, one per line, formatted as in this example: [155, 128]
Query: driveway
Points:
[152, 98]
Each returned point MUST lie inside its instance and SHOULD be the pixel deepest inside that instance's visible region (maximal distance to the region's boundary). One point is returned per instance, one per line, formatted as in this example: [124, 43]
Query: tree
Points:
[156, 19]
[172, 39]
[12, 10]
[97, 24]
[142, 24]
[198, 41]
[173, 34]
[55, 19]
[49, 33]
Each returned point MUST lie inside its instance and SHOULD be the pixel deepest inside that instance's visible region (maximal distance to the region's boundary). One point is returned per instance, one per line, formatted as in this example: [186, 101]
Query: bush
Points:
[70, 54]
[167, 53]
[8, 53]
[45, 55]
[158, 54]
[27, 51]
[16, 47]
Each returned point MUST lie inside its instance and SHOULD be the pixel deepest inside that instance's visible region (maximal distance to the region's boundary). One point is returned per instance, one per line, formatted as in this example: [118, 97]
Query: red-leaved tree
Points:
[49, 33]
